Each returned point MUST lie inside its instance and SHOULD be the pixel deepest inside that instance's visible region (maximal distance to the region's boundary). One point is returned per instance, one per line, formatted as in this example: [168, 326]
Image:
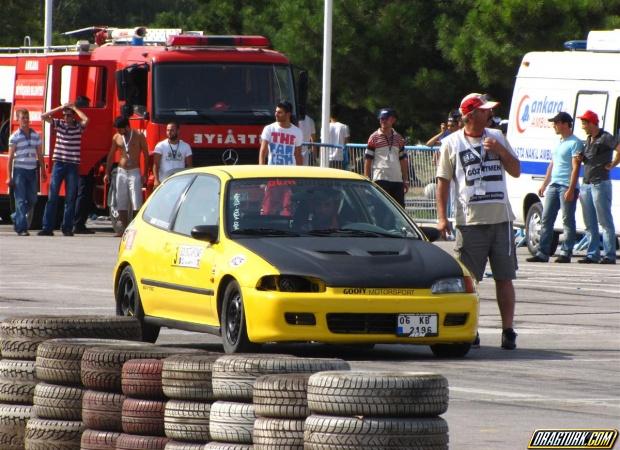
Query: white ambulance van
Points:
[547, 83]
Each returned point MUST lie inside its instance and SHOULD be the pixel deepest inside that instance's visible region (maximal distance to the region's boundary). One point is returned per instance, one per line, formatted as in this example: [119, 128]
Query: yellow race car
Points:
[261, 254]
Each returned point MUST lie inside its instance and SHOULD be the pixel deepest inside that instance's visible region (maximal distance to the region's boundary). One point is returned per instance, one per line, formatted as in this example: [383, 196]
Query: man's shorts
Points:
[477, 243]
[128, 189]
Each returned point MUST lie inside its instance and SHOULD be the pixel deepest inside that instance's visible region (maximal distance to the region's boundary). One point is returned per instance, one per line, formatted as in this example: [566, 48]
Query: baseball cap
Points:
[590, 116]
[475, 101]
[562, 117]
[384, 113]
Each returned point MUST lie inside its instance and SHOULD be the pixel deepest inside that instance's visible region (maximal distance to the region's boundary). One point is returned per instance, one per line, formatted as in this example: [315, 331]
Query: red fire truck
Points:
[222, 90]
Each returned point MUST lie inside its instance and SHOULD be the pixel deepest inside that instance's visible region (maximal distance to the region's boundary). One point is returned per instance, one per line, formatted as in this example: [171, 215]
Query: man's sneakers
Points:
[536, 258]
[45, 233]
[83, 230]
[587, 260]
[608, 261]
[509, 339]
[562, 259]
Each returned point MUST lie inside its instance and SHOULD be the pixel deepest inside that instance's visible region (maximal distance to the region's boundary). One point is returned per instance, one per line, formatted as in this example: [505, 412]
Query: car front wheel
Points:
[232, 322]
[128, 303]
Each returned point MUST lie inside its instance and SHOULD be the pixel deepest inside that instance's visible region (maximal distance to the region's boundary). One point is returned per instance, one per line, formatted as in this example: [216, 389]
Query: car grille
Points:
[349, 323]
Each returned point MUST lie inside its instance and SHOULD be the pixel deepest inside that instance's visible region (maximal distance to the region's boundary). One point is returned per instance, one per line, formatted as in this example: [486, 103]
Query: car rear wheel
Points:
[232, 322]
[128, 304]
[450, 350]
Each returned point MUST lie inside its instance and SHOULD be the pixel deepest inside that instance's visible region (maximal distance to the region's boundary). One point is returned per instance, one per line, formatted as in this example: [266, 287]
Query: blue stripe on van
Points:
[540, 168]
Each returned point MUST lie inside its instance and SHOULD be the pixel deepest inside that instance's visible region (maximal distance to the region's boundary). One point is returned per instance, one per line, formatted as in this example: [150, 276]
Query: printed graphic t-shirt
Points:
[282, 143]
[172, 156]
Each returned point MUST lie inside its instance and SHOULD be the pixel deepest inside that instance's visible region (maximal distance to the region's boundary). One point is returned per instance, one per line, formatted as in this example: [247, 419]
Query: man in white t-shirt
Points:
[171, 154]
[281, 141]
[338, 135]
[308, 130]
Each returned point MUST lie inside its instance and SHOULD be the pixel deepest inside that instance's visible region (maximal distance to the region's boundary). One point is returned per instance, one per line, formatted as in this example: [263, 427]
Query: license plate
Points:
[416, 325]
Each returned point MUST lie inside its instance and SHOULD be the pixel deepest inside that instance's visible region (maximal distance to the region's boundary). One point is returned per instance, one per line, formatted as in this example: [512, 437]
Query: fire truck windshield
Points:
[220, 93]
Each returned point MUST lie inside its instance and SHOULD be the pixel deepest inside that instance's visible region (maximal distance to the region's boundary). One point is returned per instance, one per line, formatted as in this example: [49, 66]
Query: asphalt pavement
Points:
[564, 374]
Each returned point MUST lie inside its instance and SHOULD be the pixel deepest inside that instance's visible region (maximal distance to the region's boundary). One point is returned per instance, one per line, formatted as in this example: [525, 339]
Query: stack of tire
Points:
[187, 383]
[112, 420]
[232, 417]
[375, 410]
[19, 339]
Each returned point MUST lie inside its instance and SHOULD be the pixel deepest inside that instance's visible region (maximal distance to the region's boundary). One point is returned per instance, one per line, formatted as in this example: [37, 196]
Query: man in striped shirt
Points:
[66, 162]
[24, 152]
[385, 158]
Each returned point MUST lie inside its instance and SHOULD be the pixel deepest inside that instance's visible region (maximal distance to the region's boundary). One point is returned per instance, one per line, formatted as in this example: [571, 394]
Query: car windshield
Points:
[229, 93]
[312, 207]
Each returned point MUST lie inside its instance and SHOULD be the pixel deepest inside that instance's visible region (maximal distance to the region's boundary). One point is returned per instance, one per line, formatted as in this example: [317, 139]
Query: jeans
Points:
[25, 191]
[69, 173]
[596, 206]
[554, 201]
[84, 200]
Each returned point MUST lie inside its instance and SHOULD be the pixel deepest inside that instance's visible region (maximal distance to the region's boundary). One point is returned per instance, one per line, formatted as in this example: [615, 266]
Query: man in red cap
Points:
[595, 193]
[477, 158]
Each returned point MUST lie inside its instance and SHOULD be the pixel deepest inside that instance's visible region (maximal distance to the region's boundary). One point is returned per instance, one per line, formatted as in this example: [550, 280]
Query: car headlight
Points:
[462, 285]
[290, 283]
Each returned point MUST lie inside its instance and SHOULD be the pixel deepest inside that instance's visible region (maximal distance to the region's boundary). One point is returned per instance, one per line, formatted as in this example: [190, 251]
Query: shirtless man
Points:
[129, 181]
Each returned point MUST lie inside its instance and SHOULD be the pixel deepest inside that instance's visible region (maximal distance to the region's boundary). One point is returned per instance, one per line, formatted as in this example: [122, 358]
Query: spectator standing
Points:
[562, 190]
[66, 164]
[445, 128]
[477, 158]
[84, 204]
[385, 158]
[129, 180]
[338, 135]
[170, 155]
[595, 193]
[308, 131]
[281, 140]
[24, 154]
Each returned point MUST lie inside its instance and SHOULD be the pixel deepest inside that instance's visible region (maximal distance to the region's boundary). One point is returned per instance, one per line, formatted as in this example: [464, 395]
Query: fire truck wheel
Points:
[128, 303]
[355, 433]
[282, 396]
[378, 394]
[13, 420]
[141, 378]
[99, 440]
[43, 434]
[52, 401]
[278, 434]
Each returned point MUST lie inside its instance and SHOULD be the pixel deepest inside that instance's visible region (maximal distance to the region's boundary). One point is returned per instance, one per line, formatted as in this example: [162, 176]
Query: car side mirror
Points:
[209, 233]
[431, 233]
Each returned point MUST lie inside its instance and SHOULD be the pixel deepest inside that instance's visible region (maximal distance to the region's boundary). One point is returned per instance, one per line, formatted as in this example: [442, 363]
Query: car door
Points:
[152, 268]
[190, 261]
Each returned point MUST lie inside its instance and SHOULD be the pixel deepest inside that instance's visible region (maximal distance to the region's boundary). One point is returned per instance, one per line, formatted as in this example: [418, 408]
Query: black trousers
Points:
[395, 189]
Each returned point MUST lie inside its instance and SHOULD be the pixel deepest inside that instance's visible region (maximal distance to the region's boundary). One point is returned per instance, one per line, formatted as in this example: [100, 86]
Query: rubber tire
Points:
[129, 304]
[102, 366]
[99, 440]
[233, 323]
[17, 391]
[232, 422]
[372, 433]
[134, 442]
[16, 369]
[102, 410]
[59, 360]
[189, 377]
[13, 420]
[43, 434]
[142, 378]
[20, 336]
[533, 224]
[144, 417]
[282, 396]
[176, 445]
[378, 394]
[187, 421]
[57, 402]
[227, 446]
[278, 434]
[450, 350]
[234, 376]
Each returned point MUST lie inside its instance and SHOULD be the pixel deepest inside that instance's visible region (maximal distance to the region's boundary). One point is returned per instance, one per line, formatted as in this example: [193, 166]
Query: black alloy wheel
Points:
[128, 304]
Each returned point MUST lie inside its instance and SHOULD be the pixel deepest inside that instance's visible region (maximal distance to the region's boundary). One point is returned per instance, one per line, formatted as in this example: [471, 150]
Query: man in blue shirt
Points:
[562, 190]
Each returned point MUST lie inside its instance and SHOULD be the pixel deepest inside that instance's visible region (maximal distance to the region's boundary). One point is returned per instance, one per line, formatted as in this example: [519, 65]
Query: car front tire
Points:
[128, 303]
[232, 321]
